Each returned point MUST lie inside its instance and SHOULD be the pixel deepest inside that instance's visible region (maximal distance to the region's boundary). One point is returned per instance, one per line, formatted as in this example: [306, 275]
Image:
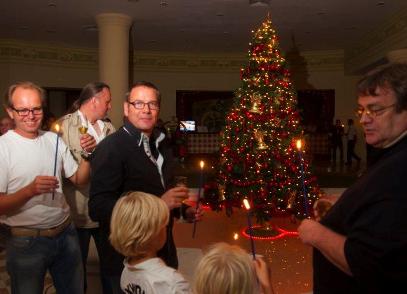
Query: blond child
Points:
[138, 230]
[228, 269]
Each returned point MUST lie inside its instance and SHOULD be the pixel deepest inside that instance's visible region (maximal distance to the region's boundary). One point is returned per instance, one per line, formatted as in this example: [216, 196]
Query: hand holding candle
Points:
[56, 156]
[200, 188]
[249, 223]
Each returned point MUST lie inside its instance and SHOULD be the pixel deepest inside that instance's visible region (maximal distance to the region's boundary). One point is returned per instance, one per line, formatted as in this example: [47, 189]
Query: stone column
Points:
[114, 59]
[399, 55]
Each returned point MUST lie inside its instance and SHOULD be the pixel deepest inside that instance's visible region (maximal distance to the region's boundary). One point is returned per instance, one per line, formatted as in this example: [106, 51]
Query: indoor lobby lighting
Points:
[259, 2]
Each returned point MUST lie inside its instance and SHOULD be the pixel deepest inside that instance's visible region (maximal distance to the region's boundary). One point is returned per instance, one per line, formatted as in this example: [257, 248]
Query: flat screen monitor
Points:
[187, 126]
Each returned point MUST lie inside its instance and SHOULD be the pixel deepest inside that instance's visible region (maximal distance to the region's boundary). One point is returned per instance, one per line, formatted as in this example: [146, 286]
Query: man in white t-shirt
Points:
[34, 215]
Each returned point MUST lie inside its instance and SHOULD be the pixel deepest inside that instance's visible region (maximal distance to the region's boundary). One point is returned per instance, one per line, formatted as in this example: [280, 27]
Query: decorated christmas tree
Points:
[259, 157]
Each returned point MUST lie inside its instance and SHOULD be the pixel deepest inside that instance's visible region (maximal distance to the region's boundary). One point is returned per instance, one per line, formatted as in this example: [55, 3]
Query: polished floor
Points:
[288, 258]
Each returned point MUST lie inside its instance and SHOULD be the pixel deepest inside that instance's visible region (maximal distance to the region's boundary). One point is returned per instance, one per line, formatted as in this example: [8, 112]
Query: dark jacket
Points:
[119, 165]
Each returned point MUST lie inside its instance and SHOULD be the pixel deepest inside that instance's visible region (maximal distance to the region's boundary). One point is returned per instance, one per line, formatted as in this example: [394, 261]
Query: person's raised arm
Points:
[81, 176]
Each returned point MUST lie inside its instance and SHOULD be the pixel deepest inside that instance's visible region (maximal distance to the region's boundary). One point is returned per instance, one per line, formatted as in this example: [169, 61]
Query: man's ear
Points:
[10, 112]
[126, 109]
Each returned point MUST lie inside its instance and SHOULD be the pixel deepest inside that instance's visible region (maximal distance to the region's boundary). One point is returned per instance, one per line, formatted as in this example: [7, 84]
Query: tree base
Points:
[268, 232]
[265, 231]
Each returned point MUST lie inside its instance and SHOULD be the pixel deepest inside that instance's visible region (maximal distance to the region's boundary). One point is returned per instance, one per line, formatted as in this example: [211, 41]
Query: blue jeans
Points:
[29, 258]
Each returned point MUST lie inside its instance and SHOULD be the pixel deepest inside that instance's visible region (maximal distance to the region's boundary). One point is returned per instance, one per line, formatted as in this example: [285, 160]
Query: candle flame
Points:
[246, 204]
[235, 236]
[299, 144]
[56, 127]
[202, 164]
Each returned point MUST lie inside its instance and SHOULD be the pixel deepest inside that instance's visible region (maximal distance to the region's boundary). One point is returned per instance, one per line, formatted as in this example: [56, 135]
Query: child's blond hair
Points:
[137, 219]
[226, 269]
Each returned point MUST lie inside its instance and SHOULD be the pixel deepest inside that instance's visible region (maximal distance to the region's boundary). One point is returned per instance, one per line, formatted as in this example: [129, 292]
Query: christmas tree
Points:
[259, 158]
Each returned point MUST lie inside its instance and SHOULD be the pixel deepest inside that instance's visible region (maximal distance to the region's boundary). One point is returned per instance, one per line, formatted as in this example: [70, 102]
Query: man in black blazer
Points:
[135, 158]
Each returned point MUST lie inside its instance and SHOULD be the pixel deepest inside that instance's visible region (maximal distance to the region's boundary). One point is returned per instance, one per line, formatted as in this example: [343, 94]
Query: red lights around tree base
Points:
[269, 232]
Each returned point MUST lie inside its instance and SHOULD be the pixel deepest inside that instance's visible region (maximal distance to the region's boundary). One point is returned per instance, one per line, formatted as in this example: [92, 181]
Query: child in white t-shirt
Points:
[138, 230]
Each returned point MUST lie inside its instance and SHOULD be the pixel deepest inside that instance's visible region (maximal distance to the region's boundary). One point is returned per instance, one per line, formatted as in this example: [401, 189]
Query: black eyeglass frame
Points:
[26, 111]
[152, 105]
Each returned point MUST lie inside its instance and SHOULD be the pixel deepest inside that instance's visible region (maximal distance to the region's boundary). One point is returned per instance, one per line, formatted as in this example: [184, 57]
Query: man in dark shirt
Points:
[135, 158]
[360, 245]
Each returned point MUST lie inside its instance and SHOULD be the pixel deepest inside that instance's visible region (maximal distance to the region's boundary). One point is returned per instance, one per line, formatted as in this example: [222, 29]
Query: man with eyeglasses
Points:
[135, 158]
[360, 245]
[35, 217]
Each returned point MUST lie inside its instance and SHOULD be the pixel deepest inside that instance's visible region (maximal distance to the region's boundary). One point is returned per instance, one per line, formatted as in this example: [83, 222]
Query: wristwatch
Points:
[86, 156]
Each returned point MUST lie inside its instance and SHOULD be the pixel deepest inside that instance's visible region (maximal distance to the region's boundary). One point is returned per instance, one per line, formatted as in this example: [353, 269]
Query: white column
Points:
[114, 58]
[399, 55]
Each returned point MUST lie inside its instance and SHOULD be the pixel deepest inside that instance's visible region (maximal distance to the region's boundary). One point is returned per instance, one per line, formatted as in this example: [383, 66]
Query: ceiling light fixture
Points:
[90, 28]
[259, 2]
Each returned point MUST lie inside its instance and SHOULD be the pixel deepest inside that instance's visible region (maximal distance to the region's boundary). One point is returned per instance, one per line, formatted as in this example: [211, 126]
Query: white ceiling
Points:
[198, 25]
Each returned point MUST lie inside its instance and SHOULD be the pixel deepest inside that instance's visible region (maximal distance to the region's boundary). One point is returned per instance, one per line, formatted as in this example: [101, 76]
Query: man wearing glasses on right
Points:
[360, 245]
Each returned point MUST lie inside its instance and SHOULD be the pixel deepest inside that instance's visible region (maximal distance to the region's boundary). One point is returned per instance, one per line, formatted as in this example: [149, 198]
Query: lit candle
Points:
[56, 155]
[200, 188]
[249, 223]
[299, 147]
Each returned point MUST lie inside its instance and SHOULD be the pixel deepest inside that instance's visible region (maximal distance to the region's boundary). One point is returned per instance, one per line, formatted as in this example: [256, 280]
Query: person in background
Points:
[138, 230]
[337, 133]
[92, 107]
[360, 245]
[230, 269]
[135, 158]
[34, 214]
[351, 143]
[6, 123]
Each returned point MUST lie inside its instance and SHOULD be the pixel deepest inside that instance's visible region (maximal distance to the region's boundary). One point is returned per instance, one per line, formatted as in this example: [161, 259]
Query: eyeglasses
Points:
[372, 113]
[26, 111]
[153, 105]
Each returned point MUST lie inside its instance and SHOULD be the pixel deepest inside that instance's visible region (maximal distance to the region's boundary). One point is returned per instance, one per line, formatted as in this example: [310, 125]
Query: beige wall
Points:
[52, 66]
